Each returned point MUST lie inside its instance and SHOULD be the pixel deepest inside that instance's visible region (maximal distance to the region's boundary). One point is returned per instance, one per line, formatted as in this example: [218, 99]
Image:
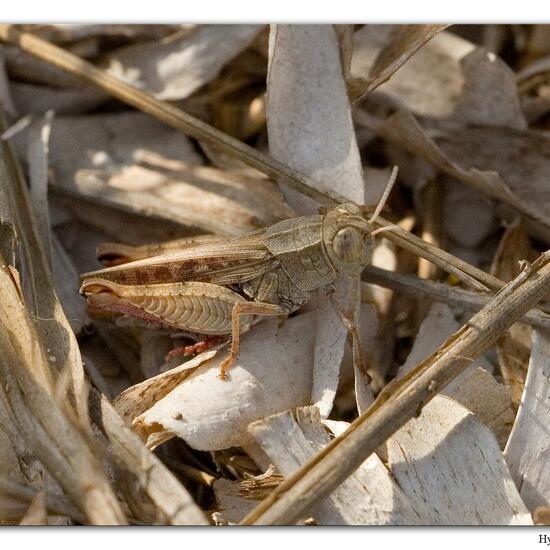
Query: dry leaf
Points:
[448, 77]
[37, 99]
[395, 48]
[526, 451]
[118, 163]
[176, 66]
[308, 112]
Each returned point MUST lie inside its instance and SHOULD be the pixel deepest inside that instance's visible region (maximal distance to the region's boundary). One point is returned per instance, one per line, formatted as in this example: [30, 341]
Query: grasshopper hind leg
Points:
[246, 308]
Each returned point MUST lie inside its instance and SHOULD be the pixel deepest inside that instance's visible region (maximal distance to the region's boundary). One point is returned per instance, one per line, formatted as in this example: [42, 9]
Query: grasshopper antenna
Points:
[385, 195]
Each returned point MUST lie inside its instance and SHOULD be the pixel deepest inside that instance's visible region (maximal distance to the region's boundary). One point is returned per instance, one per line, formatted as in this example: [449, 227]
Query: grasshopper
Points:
[216, 288]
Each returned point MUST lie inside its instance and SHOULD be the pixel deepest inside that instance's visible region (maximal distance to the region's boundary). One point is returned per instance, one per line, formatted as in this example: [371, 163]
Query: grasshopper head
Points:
[347, 238]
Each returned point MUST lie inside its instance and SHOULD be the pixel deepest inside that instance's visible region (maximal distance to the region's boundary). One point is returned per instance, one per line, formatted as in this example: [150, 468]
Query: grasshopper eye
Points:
[348, 244]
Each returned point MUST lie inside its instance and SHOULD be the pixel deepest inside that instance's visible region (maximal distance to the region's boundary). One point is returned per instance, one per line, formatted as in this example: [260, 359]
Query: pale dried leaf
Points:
[527, 449]
[438, 325]
[138, 398]
[173, 68]
[476, 388]
[451, 468]
[447, 78]
[308, 112]
[464, 207]
[401, 42]
[272, 373]
[128, 162]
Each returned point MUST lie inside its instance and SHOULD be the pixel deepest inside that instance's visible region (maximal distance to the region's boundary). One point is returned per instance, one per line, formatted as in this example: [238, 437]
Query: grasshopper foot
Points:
[225, 366]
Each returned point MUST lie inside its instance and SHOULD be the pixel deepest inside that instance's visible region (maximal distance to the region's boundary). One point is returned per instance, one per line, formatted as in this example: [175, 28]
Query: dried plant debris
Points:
[409, 392]
[528, 443]
[177, 65]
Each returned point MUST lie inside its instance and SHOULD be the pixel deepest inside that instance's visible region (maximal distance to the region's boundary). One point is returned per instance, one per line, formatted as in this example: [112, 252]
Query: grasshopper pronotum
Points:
[214, 288]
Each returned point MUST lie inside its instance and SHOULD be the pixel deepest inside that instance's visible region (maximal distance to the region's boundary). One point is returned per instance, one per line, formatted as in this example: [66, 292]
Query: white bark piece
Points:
[310, 128]
[173, 68]
[451, 468]
[368, 497]
[527, 449]
[272, 373]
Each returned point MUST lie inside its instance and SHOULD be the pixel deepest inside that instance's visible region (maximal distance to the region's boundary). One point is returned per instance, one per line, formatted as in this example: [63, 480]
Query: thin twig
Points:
[201, 131]
[401, 400]
[440, 292]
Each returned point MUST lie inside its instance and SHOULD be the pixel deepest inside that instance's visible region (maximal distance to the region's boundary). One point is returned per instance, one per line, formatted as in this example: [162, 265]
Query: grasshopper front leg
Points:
[349, 323]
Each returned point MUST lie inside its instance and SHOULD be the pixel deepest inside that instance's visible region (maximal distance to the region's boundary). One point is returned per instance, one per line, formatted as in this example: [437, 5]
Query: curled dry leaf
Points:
[272, 373]
[174, 67]
[138, 398]
[451, 468]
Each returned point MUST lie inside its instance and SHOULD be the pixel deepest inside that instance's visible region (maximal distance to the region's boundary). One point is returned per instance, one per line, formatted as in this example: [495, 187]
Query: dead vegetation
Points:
[120, 137]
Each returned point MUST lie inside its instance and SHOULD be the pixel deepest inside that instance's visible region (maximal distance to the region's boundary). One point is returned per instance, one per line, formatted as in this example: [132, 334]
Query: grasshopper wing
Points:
[230, 262]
